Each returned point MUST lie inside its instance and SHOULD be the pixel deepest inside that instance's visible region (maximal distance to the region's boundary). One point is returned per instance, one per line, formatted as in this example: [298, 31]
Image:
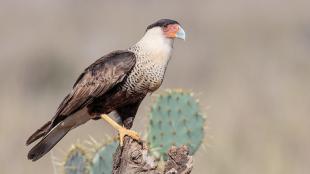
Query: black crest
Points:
[162, 23]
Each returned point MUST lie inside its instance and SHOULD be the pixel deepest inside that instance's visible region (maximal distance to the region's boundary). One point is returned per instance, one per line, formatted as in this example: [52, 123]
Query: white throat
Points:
[155, 45]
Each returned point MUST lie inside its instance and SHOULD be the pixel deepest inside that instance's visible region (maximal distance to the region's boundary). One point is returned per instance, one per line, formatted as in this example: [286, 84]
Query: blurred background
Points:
[248, 61]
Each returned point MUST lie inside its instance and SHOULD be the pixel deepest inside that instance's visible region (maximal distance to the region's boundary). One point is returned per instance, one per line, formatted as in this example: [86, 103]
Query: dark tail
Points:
[39, 133]
[48, 142]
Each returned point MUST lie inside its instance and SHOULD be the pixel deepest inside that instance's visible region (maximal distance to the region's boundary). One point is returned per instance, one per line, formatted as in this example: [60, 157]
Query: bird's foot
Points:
[123, 132]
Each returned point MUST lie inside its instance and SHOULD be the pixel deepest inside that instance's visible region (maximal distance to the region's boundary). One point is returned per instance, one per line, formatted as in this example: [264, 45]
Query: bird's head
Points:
[159, 37]
[167, 28]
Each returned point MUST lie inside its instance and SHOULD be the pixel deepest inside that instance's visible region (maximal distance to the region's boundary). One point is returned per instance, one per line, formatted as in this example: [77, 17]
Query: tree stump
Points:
[133, 158]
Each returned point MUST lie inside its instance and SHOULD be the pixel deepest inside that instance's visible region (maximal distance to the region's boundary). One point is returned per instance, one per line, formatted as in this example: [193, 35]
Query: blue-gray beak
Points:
[181, 33]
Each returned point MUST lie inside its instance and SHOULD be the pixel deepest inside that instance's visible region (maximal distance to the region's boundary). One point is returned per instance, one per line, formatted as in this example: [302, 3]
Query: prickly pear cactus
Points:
[102, 161]
[76, 161]
[175, 119]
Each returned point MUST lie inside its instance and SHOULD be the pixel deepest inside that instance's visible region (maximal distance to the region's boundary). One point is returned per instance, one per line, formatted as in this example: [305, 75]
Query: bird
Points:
[116, 82]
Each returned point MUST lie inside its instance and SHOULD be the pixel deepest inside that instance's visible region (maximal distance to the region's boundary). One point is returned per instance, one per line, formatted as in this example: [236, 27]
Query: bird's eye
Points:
[166, 28]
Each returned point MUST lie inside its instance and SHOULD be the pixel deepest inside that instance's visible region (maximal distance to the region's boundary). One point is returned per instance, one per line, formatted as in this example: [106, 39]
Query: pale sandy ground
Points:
[247, 60]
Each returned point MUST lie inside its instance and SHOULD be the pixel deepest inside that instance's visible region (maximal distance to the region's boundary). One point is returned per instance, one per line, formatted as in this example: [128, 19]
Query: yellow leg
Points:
[121, 130]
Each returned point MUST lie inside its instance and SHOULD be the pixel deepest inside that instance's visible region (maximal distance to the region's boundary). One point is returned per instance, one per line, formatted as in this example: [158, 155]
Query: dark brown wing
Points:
[97, 79]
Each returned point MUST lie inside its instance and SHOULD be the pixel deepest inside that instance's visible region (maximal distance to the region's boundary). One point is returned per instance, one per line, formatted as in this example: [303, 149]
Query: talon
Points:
[123, 132]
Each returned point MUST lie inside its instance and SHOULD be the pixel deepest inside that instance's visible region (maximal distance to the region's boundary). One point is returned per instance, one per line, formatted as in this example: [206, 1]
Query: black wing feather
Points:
[96, 79]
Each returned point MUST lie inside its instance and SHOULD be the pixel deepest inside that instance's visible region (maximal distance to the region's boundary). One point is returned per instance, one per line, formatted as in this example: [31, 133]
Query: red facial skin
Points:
[171, 30]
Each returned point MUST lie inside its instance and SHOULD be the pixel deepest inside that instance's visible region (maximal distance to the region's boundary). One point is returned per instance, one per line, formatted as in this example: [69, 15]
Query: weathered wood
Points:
[179, 161]
[133, 158]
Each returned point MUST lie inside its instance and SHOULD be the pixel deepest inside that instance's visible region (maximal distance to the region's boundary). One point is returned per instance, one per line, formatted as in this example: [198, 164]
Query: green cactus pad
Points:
[175, 119]
[76, 162]
[103, 158]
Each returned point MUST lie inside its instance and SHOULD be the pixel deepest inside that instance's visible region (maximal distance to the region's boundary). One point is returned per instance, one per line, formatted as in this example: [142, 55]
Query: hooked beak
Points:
[181, 33]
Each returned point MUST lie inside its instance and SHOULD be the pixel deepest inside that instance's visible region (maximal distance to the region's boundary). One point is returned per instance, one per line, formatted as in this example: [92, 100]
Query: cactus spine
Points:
[102, 161]
[175, 119]
[76, 161]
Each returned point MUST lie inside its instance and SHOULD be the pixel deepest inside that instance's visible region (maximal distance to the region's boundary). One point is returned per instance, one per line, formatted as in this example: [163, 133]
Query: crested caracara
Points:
[116, 82]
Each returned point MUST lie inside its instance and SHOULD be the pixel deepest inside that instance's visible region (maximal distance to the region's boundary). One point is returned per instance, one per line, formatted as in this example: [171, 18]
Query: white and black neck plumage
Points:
[155, 45]
[152, 53]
